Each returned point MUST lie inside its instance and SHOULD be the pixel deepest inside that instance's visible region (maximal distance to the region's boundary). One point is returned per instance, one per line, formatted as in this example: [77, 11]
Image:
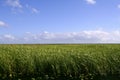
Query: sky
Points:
[59, 21]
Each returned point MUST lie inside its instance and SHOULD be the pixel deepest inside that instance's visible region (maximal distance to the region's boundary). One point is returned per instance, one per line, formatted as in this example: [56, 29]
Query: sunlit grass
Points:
[60, 62]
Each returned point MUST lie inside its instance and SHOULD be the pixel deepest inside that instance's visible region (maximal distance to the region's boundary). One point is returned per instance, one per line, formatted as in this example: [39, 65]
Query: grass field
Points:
[60, 62]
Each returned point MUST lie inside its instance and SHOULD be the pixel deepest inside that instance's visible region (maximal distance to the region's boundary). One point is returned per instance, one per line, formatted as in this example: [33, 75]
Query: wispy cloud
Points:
[16, 6]
[32, 9]
[91, 1]
[14, 3]
[3, 24]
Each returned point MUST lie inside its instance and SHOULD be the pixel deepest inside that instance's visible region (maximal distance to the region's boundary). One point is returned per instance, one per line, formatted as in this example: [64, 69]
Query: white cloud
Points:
[91, 1]
[3, 24]
[118, 6]
[91, 36]
[14, 3]
[8, 37]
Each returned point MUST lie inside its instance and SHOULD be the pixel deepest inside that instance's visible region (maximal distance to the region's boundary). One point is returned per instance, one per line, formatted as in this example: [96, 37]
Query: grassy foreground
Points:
[60, 62]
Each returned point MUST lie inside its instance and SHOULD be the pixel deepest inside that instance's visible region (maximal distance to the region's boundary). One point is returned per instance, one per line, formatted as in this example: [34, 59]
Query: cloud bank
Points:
[96, 36]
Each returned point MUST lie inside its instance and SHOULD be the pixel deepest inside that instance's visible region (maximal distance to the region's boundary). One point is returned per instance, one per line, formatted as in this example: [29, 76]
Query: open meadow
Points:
[60, 62]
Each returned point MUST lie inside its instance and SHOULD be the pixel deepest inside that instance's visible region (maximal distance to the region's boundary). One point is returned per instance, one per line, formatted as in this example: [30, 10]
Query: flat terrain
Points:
[60, 62]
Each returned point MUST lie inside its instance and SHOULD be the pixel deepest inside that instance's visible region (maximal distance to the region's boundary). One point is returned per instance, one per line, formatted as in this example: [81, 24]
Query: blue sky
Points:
[59, 21]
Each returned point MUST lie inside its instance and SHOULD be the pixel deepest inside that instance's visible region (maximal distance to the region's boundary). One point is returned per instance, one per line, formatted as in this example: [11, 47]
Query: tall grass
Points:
[60, 62]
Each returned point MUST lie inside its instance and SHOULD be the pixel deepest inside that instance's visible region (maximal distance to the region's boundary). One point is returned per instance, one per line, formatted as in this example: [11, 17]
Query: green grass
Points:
[60, 62]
